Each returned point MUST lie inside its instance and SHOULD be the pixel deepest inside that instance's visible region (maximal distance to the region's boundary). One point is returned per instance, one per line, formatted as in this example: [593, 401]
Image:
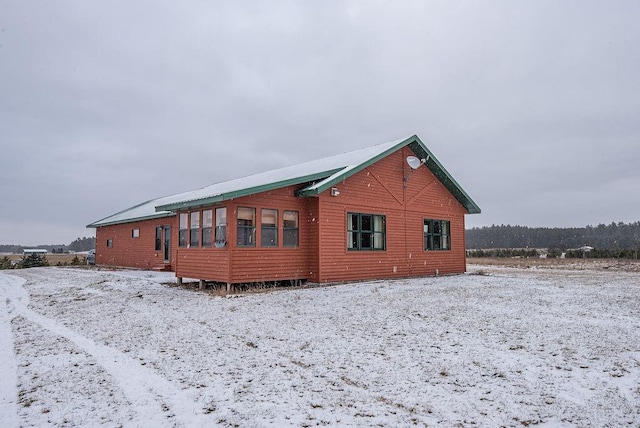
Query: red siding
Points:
[235, 264]
[322, 255]
[379, 190]
[203, 263]
[128, 251]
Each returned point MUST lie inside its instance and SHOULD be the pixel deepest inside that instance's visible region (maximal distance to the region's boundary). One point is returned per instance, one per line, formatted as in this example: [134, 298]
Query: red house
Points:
[386, 211]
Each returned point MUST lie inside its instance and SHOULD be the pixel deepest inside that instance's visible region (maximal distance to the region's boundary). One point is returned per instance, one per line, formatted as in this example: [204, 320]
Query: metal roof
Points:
[322, 174]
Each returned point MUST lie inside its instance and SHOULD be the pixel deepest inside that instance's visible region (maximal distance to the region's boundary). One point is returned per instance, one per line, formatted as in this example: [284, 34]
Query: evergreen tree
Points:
[615, 236]
[83, 244]
[5, 263]
[33, 260]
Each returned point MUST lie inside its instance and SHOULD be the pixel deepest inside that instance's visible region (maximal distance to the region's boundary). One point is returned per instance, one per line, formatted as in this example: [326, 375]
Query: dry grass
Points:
[54, 259]
[570, 264]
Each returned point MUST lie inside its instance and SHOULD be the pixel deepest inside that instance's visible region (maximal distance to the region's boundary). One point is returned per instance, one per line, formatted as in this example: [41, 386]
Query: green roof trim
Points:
[418, 147]
[95, 224]
[348, 172]
[130, 215]
[245, 192]
[443, 175]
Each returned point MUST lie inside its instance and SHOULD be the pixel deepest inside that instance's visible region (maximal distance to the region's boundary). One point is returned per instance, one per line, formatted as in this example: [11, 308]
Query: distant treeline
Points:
[80, 244]
[555, 253]
[614, 236]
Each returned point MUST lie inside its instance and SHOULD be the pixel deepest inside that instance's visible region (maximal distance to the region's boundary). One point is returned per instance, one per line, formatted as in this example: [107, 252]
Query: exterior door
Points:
[167, 244]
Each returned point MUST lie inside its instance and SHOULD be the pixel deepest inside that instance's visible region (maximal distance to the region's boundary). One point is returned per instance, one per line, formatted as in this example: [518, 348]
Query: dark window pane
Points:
[158, 238]
[206, 236]
[167, 243]
[366, 223]
[366, 241]
[269, 237]
[291, 238]
[246, 236]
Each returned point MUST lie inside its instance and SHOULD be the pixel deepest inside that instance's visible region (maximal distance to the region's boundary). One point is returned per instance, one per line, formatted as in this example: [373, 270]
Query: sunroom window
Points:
[221, 227]
[183, 230]
[246, 227]
[268, 228]
[194, 228]
[207, 223]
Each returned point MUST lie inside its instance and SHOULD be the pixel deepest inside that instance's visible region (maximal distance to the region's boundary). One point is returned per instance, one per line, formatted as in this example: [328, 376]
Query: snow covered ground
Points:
[512, 347]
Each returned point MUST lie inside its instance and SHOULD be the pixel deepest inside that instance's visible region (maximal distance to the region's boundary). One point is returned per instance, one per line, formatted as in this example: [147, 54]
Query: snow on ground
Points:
[511, 347]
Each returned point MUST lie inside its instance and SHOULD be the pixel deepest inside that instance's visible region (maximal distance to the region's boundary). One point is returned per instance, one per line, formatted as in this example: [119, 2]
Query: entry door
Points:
[167, 244]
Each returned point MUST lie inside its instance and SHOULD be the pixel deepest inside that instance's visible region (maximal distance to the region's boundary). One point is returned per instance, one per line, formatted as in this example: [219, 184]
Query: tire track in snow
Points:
[155, 400]
[9, 384]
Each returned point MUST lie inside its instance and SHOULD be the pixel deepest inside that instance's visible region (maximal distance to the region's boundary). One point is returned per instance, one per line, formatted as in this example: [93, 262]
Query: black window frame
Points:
[436, 234]
[363, 232]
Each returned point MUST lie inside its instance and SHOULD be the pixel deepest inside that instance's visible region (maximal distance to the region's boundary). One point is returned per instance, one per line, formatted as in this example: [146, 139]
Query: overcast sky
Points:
[534, 107]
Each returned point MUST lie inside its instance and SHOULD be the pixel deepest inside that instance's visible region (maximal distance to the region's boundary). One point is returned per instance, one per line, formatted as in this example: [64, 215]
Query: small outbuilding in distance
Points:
[385, 211]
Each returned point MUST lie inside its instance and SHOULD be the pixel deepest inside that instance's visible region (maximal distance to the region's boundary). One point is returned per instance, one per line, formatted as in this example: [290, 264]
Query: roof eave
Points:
[443, 176]
[244, 192]
[99, 223]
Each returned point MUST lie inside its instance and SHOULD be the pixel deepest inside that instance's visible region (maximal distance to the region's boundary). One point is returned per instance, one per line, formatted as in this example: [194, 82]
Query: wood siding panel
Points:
[262, 264]
[381, 189]
[132, 252]
[211, 264]
[258, 264]
[322, 254]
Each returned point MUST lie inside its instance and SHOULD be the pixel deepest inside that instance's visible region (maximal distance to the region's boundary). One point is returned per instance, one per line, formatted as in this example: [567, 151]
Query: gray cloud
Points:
[531, 106]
